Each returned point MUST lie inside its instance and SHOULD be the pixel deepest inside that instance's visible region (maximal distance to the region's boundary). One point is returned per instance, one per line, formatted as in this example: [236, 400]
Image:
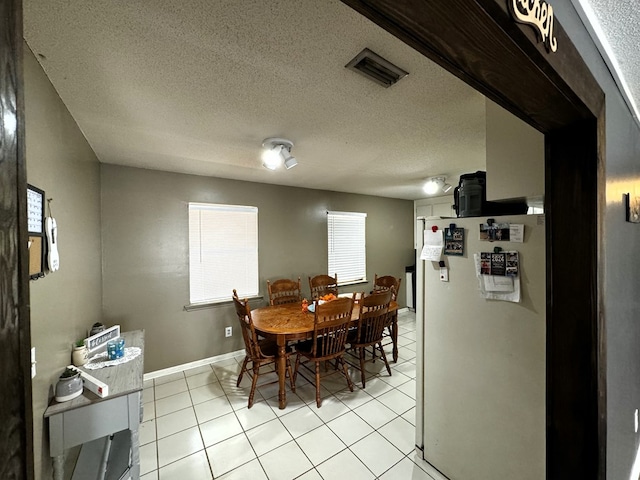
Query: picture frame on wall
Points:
[632, 208]
[35, 228]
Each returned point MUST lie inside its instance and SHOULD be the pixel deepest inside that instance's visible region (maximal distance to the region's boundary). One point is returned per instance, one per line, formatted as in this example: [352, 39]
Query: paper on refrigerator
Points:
[516, 232]
[497, 287]
[433, 245]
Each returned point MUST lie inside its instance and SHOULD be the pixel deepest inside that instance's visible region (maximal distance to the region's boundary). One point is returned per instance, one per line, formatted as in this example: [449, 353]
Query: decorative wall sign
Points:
[35, 209]
[100, 339]
[538, 14]
[35, 222]
[632, 208]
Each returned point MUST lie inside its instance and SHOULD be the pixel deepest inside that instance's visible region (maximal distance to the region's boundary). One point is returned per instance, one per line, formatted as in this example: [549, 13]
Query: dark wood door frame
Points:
[16, 411]
[479, 42]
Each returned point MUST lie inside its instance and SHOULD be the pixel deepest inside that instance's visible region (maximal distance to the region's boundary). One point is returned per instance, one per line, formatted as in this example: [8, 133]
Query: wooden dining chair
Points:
[259, 352]
[330, 327]
[322, 285]
[284, 291]
[374, 310]
[388, 282]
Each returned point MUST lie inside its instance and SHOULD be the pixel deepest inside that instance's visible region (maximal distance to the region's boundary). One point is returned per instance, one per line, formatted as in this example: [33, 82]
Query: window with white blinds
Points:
[347, 246]
[223, 252]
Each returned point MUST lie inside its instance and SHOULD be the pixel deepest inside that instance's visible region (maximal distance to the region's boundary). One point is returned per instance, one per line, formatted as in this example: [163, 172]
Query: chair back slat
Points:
[374, 310]
[387, 282]
[284, 291]
[322, 285]
[330, 327]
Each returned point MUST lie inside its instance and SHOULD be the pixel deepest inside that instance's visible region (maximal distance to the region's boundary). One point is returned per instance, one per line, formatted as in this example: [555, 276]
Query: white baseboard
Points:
[187, 366]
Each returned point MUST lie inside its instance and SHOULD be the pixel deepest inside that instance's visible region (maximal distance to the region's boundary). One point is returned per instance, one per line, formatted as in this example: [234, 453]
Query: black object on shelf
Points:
[470, 197]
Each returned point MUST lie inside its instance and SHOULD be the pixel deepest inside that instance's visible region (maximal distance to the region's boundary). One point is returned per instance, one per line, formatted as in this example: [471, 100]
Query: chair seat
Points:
[304, 346]
[269, 348]
[354, 336]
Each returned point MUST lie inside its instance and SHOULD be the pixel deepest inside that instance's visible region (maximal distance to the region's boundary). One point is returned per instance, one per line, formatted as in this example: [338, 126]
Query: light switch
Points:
[33, 362]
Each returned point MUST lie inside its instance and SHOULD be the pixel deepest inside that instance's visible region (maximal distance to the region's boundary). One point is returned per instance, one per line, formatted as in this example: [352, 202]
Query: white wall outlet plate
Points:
[228, 331]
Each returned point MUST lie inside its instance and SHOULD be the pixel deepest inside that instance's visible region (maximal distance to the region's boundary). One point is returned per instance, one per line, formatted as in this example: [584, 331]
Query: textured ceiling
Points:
[617, 23]
[195, 86]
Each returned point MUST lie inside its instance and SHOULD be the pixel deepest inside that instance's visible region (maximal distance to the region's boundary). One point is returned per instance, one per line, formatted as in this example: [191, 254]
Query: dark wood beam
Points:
[16, 413]
[481, 44]
[574, 444]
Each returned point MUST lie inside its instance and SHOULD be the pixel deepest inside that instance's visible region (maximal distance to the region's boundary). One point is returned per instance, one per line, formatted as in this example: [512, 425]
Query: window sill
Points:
[357, 282]
[192, 307]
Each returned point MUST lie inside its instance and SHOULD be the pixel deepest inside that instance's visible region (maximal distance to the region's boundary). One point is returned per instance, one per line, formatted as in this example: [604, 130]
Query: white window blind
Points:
[347, 246]
[223, 252]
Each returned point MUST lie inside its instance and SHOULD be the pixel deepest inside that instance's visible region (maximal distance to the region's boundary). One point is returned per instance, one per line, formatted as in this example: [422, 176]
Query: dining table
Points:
[289, 322]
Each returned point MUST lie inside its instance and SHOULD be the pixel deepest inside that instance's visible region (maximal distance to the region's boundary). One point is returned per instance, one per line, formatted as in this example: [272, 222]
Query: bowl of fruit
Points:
[311, 307]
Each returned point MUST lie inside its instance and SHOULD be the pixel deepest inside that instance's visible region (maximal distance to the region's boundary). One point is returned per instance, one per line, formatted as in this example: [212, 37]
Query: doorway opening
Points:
[481, 44]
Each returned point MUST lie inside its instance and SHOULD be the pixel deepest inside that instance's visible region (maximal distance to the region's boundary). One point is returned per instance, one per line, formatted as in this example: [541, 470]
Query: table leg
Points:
[134, 472]
[282, 372]
[394, 337]
[135, 414]
[58, 467]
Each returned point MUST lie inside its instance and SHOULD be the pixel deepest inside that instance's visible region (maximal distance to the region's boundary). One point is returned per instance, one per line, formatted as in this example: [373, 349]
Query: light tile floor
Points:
[197, 425]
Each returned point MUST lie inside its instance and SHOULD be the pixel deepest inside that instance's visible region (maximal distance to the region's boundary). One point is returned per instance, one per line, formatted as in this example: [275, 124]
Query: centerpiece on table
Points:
[306, 307]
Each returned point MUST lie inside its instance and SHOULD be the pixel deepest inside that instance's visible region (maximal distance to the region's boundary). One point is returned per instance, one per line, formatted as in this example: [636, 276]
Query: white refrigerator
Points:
[480, 407]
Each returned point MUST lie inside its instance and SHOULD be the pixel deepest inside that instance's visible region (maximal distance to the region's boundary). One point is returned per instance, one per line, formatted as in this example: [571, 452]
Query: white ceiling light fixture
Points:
[289, 160]
[434, 185]
[277, 151]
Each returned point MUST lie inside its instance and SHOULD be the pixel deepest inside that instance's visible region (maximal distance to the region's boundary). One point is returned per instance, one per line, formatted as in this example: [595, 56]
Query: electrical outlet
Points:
[228, 331]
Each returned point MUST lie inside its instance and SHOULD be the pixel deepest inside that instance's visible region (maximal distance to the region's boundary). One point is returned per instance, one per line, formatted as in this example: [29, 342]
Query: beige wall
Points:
[67, 302]
[145, 251]
[515, 157]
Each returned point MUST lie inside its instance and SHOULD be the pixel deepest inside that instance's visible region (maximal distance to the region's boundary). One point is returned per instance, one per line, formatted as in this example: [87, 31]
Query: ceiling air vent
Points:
[376, 68]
